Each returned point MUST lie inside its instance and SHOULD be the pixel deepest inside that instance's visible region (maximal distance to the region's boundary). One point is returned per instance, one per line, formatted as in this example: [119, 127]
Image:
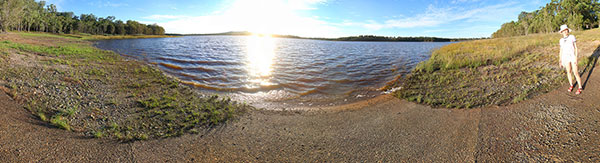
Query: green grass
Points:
[40, 34]
[68, 51]
[478, 53]
[60, 122]
[492, 71]
[97, 72]
[175, 113]
[85, 36]
[70, 111]
[42, 116]
[98, 134]
[107, 37]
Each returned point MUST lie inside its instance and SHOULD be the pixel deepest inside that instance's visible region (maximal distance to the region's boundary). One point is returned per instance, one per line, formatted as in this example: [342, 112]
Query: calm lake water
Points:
[278, 70]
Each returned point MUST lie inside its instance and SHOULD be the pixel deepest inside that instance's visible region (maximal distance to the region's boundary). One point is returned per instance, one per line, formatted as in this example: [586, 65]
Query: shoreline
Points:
[275, 96]
[556, 126]
[295, 103]
[493, 72]
[393, 130]
[69, 84]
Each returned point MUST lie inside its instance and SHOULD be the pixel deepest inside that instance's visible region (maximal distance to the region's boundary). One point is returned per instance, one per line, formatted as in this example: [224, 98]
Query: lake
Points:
[271, 72]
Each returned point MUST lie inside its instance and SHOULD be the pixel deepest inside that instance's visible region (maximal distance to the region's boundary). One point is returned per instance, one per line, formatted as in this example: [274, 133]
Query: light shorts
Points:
[567, 59]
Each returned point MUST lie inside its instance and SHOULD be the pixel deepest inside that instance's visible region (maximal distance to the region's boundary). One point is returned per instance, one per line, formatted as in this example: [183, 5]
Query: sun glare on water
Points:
[260, 54]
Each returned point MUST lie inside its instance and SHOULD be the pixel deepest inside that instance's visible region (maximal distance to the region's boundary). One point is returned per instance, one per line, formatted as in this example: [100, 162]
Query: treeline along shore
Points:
[577, 14]
[349, 38]
[29, 15]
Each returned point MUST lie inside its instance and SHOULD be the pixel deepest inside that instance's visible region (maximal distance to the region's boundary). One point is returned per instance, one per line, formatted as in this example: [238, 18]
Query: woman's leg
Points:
[576, 72]
[569, 74]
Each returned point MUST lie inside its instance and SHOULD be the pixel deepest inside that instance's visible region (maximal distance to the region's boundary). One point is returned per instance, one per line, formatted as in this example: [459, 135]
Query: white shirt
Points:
[567, 46]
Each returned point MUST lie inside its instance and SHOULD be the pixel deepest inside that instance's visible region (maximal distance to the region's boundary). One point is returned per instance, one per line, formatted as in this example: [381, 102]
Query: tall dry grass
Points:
[498, 71]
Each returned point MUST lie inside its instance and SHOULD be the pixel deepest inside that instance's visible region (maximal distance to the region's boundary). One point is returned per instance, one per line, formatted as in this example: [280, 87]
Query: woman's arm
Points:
[576, 53]
[560, 58]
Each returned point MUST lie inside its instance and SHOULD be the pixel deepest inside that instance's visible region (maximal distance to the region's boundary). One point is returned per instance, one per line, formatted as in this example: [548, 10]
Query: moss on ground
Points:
[492, 71]
[79, 88]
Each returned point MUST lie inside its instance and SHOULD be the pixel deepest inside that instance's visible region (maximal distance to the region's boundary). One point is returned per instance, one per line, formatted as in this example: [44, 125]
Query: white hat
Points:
[563, 27]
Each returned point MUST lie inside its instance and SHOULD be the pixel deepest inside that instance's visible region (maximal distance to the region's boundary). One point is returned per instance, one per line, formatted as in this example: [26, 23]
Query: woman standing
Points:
[568, 57]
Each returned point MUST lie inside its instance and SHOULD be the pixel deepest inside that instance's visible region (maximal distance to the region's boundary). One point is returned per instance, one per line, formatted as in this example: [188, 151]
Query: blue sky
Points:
[314, 18]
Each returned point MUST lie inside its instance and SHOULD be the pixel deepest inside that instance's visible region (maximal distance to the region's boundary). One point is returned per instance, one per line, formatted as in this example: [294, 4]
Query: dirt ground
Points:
[558, 126]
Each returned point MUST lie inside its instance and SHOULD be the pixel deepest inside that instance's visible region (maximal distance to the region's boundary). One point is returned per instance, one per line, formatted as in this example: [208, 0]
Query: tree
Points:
[11, 14]
[120, 28]
[30, 15]
[577, 14]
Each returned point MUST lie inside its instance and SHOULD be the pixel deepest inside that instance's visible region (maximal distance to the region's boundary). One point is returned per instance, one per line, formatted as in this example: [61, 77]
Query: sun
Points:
[262, 17]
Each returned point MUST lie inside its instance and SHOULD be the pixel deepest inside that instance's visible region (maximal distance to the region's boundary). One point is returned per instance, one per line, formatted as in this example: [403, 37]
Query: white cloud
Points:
[434, 16]
[463, 1]
[164, 17]
[110, 4]
[267, 16]
[101, 3]
[305, 4]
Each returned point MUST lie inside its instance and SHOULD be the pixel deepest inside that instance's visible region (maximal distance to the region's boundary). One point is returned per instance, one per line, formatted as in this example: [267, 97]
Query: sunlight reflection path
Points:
[260, 55]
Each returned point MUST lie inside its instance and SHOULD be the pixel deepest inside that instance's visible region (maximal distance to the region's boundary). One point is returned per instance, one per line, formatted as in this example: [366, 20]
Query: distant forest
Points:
[398, 39]
[28, 15]
[351, 38]
[577, 14]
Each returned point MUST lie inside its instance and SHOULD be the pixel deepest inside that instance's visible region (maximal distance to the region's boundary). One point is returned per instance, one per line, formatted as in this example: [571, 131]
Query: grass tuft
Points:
[98, 134]
[60, 122]
[42, 116]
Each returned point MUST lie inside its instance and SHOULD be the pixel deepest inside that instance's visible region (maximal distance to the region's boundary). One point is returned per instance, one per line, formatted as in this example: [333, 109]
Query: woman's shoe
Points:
[578, 91]
[571, 88]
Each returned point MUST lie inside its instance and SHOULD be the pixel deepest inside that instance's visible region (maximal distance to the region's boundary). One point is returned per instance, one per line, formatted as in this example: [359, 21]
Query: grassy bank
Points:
[493, 71]
[66, 82]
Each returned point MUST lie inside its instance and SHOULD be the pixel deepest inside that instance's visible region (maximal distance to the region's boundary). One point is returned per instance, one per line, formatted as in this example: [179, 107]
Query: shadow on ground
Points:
[593, 59]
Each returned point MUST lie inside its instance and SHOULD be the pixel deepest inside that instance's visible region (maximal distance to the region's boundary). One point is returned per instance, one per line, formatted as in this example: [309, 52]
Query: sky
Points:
[314, 18]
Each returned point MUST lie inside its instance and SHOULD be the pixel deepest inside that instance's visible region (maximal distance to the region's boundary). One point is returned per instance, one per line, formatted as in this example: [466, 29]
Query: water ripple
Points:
[286, 67]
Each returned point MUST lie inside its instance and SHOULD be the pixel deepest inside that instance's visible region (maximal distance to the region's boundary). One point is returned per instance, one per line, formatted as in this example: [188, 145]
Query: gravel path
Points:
[557, 126]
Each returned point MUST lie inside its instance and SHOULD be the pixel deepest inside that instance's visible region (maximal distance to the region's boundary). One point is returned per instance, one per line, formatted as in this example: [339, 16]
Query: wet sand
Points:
[558, 126]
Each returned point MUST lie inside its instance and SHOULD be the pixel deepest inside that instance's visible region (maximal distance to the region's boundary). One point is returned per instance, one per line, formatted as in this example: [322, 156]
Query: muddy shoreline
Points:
[388, 129]
[554, 127]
